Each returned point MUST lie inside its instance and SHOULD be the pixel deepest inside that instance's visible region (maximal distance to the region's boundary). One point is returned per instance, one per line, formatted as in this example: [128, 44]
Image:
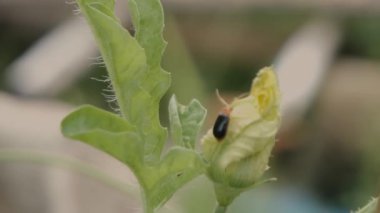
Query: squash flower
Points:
[238, 160]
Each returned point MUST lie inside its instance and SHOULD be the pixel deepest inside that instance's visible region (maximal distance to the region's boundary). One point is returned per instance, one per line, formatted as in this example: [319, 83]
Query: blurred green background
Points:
[328, 57]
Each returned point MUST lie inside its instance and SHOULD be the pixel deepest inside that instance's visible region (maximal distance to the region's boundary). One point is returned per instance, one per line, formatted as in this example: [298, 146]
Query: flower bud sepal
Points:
[225, 194]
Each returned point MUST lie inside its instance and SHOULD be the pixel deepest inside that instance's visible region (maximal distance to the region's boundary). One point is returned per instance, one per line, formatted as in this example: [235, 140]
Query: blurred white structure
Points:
[302, 64]
[58, 59]
[30, 130]
[55, 61]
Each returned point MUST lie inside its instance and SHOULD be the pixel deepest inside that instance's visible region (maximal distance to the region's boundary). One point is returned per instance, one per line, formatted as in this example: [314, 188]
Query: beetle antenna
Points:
[221, 99]
[243, 95]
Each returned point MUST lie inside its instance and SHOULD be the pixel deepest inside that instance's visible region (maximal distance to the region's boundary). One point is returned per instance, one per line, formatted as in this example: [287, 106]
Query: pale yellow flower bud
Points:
[241, 157]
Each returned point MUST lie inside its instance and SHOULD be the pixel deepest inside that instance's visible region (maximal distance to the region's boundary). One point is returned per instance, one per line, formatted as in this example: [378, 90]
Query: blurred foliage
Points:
[13, 42]
[230, 46]
[362, 35]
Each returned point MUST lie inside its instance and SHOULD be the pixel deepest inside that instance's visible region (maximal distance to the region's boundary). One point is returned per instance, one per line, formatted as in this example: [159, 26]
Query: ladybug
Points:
[221, 123]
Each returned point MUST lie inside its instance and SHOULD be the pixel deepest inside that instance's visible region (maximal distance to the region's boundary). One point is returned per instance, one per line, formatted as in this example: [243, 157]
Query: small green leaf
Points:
[106, 132]
[175, 122]
[87, 118]
[185, 122]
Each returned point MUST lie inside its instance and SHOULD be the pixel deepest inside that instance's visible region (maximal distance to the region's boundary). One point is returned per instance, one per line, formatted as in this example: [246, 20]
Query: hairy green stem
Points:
[148, 208]
[221, 209]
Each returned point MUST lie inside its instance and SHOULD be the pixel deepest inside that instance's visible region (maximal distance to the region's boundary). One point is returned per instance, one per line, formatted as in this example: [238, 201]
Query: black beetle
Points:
[221, 123]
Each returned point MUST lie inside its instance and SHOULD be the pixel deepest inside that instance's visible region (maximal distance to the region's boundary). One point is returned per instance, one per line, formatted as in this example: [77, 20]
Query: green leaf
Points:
[88, 117]
[105, 131]
[138, 86]
[137, 137]
[185, 122]
[148, 19]
[178, 167]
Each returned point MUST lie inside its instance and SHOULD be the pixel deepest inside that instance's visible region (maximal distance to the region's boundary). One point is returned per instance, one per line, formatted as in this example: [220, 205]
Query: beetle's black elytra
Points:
[220, 126]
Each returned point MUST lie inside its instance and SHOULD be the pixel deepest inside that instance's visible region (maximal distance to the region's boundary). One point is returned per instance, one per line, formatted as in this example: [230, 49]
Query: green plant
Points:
[136, 137]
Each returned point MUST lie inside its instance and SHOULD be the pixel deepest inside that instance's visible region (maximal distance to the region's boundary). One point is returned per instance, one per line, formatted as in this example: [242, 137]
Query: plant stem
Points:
[148, 209]
[220, 209]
